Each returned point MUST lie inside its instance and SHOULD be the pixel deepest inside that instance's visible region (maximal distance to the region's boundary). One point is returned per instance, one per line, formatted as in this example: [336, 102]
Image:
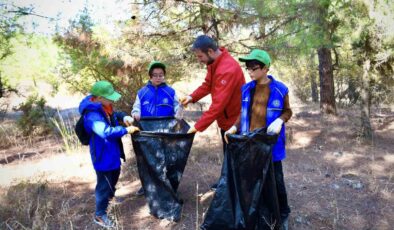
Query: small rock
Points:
[298, 219]
[337, 154]
[335, 186]
[357, 185]
[327, 175]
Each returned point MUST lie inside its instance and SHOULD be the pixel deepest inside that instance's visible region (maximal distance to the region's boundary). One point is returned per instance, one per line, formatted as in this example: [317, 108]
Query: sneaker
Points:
[104, 221]
[140, 192]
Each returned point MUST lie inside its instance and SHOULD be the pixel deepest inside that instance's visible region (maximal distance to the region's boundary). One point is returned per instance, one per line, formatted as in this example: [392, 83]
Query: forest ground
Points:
[333, 179]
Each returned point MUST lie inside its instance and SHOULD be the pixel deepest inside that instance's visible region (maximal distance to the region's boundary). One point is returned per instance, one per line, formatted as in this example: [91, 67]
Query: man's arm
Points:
[225, 87]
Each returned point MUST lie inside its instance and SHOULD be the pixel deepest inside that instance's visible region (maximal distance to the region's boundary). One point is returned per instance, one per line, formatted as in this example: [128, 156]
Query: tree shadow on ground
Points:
[333, 179]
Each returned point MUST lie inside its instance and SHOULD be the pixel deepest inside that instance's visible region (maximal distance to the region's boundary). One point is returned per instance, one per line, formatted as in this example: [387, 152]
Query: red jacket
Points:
[223, 81]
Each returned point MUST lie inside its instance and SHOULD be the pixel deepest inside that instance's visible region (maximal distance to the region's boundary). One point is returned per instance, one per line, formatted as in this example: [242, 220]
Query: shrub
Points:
[35, 116]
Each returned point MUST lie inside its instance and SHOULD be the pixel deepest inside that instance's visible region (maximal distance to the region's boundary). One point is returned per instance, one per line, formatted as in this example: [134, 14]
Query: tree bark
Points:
[314, 92]
[366, 128]
[327, 97]
[1, 86]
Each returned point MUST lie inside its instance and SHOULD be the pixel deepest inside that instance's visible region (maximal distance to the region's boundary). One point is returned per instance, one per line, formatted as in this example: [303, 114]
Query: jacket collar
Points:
[272, 82]
[219, 58]
[149, 84]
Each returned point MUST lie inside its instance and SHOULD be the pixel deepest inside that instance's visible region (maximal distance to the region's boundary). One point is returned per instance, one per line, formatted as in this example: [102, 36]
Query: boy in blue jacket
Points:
[105, 144]
[265, 103]
[155, 99]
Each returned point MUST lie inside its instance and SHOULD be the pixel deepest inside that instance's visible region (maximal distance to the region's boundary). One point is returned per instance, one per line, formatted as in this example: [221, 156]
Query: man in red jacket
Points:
[223, 81]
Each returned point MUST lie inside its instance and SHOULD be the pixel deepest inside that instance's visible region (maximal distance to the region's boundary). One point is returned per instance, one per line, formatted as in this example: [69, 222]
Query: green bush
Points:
[35, 116]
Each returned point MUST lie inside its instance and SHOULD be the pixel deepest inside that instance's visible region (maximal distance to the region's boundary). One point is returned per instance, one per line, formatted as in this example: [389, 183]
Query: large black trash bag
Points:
[246, 194]
[162, 148]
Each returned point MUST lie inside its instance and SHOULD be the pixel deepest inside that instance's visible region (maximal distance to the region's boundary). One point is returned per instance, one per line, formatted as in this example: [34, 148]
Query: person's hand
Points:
[192, 130]
[232, 130]
[132, 129]
[128, 120]
[185, 100]
[275, 126]
[136, 116]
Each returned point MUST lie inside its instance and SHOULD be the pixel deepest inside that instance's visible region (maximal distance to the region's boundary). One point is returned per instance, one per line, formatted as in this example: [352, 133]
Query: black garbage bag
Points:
[162, 148]
[246, 194]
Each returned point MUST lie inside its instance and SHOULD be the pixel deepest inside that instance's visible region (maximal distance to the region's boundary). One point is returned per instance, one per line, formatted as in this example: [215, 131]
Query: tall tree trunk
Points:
[366, 128]
[209, 21]
[312, 77]
[1, 86]
[327, 97]
[314, 94]
[204, 15]
[351, 91]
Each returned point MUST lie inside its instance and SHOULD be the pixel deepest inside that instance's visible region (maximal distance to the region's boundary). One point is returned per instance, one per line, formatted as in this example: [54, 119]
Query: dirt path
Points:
[333, 180]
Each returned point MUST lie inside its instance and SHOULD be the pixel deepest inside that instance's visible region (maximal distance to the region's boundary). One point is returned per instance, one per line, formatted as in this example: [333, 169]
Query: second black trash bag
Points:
[162, 148]
[246, 194]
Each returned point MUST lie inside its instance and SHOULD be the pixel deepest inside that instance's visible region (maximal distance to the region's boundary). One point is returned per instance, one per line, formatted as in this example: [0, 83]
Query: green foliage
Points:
[35, 116]
[123, 60]
[33, 58]
[8, 30]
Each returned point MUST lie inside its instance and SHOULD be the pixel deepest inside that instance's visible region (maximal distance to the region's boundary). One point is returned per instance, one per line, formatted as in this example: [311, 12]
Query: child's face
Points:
[257, 73]
[157, 76]
[104, 101]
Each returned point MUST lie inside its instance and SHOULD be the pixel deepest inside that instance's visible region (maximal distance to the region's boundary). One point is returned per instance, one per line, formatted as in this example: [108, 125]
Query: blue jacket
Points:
[156, 101]
[105, 144]
[275, 105]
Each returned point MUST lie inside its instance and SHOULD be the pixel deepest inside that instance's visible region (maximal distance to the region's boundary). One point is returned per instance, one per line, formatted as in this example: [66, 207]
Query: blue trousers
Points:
[105, 189]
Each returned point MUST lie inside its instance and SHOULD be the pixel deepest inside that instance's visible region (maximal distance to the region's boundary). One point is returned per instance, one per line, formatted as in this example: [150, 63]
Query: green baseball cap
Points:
[106, 90]
[155, 64]
[258, 55]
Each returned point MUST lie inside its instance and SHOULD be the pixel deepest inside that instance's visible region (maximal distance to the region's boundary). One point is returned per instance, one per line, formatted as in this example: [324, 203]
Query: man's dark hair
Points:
[203, 43]
[253, 63]
[156, 67]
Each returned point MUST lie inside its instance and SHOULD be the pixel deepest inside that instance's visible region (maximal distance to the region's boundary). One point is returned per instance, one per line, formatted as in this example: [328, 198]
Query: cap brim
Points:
[114, 97]
[245, 59]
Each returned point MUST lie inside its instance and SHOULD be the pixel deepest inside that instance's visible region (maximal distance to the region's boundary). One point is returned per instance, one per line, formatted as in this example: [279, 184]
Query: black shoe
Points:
[140, 192]
[214, 187]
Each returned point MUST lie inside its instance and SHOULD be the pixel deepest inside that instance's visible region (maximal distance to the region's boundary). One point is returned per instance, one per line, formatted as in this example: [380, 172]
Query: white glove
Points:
[128, 120]
[275, 126]
[231, 130]
[132, 129]
[136, 116]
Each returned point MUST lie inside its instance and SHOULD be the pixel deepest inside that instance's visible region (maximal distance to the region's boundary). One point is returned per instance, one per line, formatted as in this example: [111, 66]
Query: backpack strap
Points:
[94, 156]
